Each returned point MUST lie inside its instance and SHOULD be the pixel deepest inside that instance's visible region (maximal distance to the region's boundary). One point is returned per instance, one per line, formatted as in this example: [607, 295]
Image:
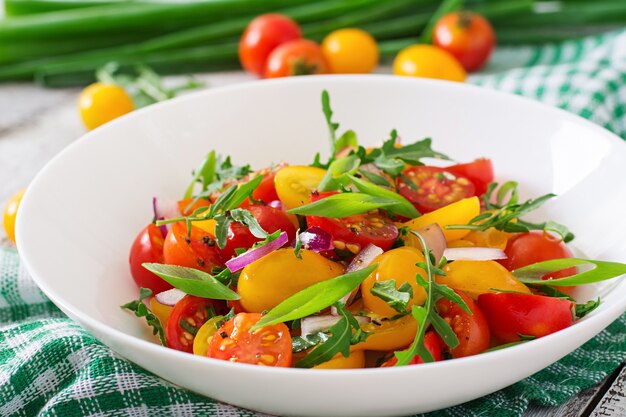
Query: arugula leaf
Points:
[343, 205]
[222, 225]
[140, 310]
[600, 271]
[192, 281]
[398, 299]
[581, 310]
[403, 206]
[300, 343]
[332, 126]
[344, 333]
[314, 298]
[411, 153]
[246, 218]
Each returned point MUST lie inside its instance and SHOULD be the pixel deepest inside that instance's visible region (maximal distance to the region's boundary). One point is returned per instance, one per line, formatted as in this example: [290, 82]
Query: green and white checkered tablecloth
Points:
[49, 366]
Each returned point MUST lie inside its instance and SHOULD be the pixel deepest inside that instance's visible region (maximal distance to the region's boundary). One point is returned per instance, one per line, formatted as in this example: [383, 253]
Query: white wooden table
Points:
[35, 124]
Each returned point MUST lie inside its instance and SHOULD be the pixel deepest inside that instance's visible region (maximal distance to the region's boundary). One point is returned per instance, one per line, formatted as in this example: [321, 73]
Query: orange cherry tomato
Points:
[100, 103]
[297, 57]
[468, 36]
[427, 61]
[267, 346]
[198, 251]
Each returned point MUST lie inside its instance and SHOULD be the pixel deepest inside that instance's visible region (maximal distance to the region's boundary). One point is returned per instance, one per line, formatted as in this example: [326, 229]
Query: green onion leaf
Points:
[403, 206]
[314, 298]
[205, 172]
[192, 281]
[600, 271]
[348, 139]
[343, 205]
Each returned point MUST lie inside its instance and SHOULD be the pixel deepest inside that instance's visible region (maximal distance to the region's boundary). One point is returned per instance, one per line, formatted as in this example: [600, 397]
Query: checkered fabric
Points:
[49, 366]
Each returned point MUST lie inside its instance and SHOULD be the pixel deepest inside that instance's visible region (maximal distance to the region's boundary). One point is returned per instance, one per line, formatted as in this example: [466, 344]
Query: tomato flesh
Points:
[433, 344]
[472, 330]
[267, 346]
[512, 314]
[195, 312]
[433, 187]
[148, 247]
[353, 233]
[198, 251]
[479, 172]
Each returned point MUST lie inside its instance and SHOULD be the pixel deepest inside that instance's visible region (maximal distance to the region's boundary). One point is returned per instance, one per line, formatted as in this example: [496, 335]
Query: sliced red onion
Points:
[435, 239]
[277, 204]
[252, 255]
[170, 297]
[473, 254]
[165, 209]
[316, 239]
[314, 324]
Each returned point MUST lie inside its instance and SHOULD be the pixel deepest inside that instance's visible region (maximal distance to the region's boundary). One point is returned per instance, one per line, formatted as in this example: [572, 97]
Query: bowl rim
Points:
[137, 343]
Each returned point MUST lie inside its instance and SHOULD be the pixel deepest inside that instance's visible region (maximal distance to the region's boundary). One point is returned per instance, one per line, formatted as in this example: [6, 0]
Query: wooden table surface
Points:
[35, 124]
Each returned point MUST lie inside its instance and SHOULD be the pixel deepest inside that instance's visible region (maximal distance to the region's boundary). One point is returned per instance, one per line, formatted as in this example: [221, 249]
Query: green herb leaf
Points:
[192, 281]
[332, 126]
[246, 218]
[298, 245]
[343, 205]
[600, 271]
[299, 343]
[338, 342]
[411, 153]
[348, 139]
[403, 206]
[444, 330]
[417, 347]
[375, 178]
[581, 310]
[398, 299]
[205, 173]
[314, 298]
[222, 225]
[140, 310]
[234, 196]
[336, 175]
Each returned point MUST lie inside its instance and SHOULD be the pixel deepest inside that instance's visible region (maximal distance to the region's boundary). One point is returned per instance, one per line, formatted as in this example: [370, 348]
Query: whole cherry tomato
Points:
[468, 36]
[100, 103]
[262, 36]
[297, 57]
[148, 247]
[428, 61]
[350, 51]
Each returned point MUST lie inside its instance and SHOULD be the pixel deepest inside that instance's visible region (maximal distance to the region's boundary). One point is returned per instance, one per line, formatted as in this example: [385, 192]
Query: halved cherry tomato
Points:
[297, 57]
[386, 334]
[269, 218]
[467, 36]
[433, 344]
[194, 311]
[353, 233]
[204, 335]
[162, 311]
[267, 346]
[512, 314]
[434, 187]
[479, 172]
[294, 184]
[460, 212]
[472, 330]
[262, 36]
[148, 247]
[198, 251]
[355, 360]
[536, 246]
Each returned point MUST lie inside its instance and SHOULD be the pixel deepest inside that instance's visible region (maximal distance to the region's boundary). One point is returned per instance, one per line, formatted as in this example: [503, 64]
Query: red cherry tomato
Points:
[298, 57]
[479, 172]
[353, 233]
[194, 311]
[198, 251]
[434, 187]
[512, 314]
[269, 218]
[528, 248]
[148, 247]
[433, 344]
[266, 191]
[472, 330]
[468, 36]
[262, 36]
[268, 346]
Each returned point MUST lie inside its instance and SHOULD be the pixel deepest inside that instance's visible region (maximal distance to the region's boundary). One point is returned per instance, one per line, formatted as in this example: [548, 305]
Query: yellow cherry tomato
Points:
[162, 311]
[490, 238]
[479, 277]
[10, 213]
[397, 264]
[204, 335]
[100, 103]
[350, 51]
[270, 280]
[459, 212]
[294, 184]
[354, 361]
[428, 61]
[388, 334]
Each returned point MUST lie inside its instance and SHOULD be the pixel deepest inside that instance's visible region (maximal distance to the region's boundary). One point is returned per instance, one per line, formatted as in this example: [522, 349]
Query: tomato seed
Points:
[353, 248]
[339, 244]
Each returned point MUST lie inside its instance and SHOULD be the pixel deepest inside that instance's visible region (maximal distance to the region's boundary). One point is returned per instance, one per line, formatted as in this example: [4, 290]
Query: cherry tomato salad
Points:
[370, 259]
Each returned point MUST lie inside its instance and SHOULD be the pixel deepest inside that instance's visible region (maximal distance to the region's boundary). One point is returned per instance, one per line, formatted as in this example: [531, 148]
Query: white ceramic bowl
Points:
[80, 215]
